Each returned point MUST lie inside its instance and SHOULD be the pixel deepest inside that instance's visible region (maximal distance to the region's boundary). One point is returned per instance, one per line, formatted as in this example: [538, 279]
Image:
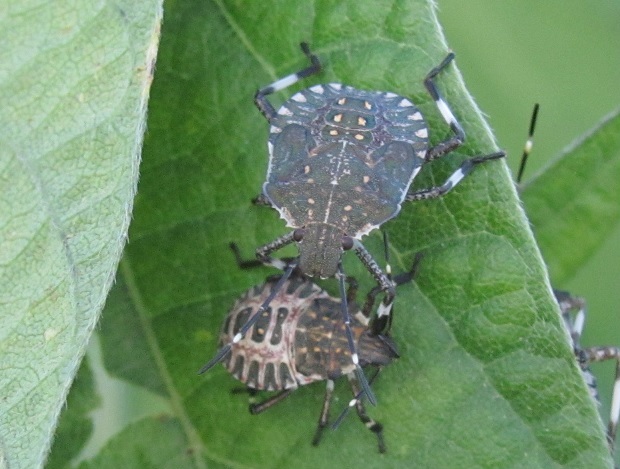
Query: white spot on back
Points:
[317, 89]
[336, 86]
[284, 111]
[389, 94]
[405, 103]
[299, 97]
[422, 133]
[416, 116]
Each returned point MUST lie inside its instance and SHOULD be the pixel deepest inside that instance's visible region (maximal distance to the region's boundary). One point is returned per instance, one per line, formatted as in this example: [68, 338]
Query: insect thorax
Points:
[320, 250]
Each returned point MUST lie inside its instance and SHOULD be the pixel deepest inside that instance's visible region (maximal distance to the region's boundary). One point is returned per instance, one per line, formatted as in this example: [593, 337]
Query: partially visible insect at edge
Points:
[341, 161]
[301, 339]
[573, 311]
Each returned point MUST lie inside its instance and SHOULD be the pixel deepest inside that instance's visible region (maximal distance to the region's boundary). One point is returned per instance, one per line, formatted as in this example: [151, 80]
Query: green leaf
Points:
[74, 78]
[486, 377]
[573, 204]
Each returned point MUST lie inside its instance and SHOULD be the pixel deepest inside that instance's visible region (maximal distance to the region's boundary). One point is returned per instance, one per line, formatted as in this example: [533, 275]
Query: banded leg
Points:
[529, 144]
[384, 283]
[587, 355]
[260, 98]
[466, 167]
[458, 138]
[346, 317]
[324, 417]
[382, 324]
[263, 252]
[368, 422]
[451, 143]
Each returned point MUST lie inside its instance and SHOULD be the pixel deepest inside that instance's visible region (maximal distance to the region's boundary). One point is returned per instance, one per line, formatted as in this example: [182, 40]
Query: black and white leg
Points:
[457, 176]
[370, 424]
[346, 318]
[451, 143]
[385, 284]
[529, 144]
[260, 98]
[587, 355]
[382, 323]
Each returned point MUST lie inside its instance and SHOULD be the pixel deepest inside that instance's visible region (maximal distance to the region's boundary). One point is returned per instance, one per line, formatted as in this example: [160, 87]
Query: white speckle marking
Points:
[416, 116]
[336, 86]
[317, 89]
[355, 359]
[389, 94]
[299, 97]
[405, 103]
[422, 133]
[237, 338]
[284, 111]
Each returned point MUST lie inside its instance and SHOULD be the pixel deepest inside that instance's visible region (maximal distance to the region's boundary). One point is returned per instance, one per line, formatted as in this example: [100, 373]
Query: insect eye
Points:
[298, 234]
[347, 243]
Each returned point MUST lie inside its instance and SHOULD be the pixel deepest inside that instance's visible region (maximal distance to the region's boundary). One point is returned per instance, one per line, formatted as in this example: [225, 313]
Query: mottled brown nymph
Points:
[298, 340]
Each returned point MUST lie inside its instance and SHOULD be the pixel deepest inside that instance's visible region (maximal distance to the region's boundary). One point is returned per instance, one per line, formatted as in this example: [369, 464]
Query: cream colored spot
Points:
[361, 121]
[348, 208]
[341, 101]
[338, 118]
[333, 132]
[367, 105]
[310, 181]
[306, 169]
[359, 137]
[310, 213]
[311, 201]
[366, 179]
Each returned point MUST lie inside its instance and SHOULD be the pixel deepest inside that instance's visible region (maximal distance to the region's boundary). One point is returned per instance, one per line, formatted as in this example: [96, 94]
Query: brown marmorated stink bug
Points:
[341, 161]
[299, 339]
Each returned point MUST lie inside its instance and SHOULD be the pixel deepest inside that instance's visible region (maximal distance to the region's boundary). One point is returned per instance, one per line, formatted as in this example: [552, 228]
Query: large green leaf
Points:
[74, 79]
[486, 378]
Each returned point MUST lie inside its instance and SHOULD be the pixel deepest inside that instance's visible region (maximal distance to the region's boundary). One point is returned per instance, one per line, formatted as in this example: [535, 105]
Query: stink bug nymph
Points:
[300, 338]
